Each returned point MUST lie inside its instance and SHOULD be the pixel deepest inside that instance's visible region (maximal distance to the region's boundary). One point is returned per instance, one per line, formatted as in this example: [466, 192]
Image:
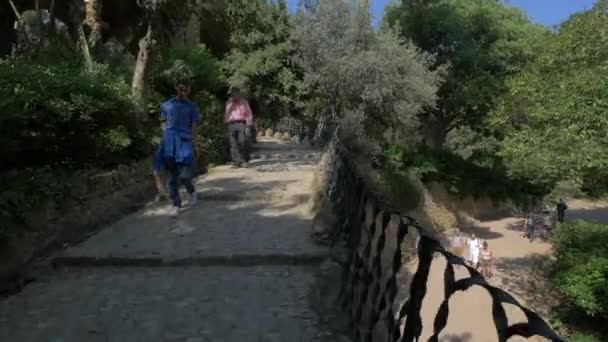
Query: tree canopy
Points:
[338, 49]
[553, 117]
[260, 58]
[481, 43]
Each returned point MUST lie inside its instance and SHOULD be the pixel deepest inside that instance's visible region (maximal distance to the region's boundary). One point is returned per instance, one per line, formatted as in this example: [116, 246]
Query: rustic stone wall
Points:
[93, 199]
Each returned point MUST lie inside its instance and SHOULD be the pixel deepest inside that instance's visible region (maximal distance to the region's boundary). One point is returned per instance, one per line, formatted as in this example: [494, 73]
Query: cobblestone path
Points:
[238, 266]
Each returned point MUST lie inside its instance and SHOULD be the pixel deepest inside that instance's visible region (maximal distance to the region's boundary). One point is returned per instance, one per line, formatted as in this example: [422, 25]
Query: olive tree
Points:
[374, 82]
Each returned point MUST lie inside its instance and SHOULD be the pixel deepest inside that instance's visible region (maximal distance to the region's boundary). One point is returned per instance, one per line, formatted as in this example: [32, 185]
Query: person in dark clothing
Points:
[561, 210]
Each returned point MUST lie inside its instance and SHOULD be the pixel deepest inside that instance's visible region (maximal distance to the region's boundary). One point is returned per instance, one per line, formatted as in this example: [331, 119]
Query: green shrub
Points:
[24, 191]
[581, 269]
[461, 176]
[195, 64]
[65, 115]
[583, 337]
[210, 138]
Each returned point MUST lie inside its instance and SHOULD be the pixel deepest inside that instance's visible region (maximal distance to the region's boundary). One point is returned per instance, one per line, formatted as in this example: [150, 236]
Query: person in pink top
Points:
[239, 119]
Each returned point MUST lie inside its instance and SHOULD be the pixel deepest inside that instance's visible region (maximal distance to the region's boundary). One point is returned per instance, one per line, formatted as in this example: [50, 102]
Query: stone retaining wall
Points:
[93, 199]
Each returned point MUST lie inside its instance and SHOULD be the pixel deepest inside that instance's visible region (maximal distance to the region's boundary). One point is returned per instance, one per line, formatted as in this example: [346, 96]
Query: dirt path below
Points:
[520, 270]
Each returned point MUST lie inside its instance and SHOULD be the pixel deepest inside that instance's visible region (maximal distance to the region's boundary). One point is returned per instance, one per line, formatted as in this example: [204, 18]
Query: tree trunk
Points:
[188, 35]
[138, 85]
[193, 33]
[52, 26]
[77, 30]
[84, 46]
[17, 14]
[93, 21]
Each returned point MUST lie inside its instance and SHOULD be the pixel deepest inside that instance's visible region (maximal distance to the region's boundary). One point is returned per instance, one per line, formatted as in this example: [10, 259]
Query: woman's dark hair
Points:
[181, 81]
[485, 244]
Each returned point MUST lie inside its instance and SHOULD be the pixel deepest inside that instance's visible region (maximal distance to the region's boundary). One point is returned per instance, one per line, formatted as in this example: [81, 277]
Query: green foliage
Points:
[375, 82]
[63, 114]
[260, 60]
[483, 42]
[210, 141]
[25, 190]
[554, 114]
[195, 64]
[460, 176]
[584, 337]
[575, 326]
[51, 50]
[264, 123]
[581, 268]
[116, 56]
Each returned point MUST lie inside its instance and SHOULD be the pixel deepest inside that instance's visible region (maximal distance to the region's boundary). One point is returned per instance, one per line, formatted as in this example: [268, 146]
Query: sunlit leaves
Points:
[554, 116]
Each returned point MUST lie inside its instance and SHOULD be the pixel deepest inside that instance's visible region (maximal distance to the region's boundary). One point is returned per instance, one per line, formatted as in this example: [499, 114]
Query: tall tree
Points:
[93, 21]
[553, 117]
[374, 82]
[482, 42]
[162, 19]
[77, 14]
[260, 58]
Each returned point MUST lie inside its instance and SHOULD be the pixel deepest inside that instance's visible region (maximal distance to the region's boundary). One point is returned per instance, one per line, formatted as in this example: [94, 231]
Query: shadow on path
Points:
[599, 215]
[484, 233]
[527, 278]
[213, 229]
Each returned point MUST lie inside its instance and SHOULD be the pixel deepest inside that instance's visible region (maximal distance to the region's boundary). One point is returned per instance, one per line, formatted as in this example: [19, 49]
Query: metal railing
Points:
[374, 233]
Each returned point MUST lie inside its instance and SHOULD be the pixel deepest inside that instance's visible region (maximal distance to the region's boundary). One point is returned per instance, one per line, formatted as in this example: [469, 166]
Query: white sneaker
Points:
[192, 199]
[173, 212]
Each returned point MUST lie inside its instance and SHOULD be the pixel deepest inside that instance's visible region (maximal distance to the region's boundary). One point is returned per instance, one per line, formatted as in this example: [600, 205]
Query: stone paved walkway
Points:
[238, 266]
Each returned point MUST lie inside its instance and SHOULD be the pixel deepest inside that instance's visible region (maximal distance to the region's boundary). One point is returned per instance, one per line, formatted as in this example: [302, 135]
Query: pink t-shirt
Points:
[238, 110]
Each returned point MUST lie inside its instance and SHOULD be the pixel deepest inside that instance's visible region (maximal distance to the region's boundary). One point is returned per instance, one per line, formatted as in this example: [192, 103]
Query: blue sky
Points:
[547, 12]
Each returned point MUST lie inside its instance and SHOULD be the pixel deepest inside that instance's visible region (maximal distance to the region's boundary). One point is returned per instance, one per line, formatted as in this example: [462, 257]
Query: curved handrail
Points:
[370, 299]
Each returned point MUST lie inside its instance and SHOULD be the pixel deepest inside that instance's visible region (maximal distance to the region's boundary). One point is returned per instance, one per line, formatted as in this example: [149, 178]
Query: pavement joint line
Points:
[235, 260]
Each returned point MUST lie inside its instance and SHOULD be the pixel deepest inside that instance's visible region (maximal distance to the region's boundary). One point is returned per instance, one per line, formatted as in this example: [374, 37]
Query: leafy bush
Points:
[553, 116]
[461, 176]
[583, 337]
[195, 64]
[63, 114]
[581, 269]
[25, 190]
[338, 49]
[260, 59]
[210, 139]
[473, 176]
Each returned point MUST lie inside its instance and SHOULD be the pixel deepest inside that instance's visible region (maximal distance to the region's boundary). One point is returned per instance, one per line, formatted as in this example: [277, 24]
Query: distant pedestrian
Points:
[561, 210]
[239, 120]
[529, 227]
[179, 115]
[547, 223]
[486, 261]
[473, 245]
[457, 245]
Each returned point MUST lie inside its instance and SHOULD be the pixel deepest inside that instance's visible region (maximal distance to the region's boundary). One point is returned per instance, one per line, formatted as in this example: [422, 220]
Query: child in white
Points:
[474, 246]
